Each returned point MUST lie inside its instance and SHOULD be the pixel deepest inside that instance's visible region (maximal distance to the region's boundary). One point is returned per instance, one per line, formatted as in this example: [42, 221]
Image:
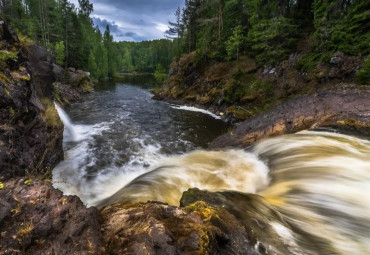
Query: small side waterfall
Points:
[69, 129]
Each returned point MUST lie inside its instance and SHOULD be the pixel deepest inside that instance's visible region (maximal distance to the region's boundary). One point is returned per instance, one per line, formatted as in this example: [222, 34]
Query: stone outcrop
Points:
[157, 228]
[341, 107]
[30, 130]
[37, 219]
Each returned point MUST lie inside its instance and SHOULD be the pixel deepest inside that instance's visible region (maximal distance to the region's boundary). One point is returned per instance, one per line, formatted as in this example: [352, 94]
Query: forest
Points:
[69, 34]
[270, 30]
[267, 30]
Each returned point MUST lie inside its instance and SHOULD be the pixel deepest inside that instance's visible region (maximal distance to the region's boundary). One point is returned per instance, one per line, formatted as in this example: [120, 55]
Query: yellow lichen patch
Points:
[64, 201]
[28, 182]
[351, 122]
[17, 209]
[25, 229]
[25, 78]
[1, 185]
[6, 91]
[4, 79]
[201, 208]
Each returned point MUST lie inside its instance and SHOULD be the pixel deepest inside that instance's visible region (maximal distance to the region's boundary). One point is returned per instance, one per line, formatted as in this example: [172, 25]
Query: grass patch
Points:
[50, 116]
[5, 55]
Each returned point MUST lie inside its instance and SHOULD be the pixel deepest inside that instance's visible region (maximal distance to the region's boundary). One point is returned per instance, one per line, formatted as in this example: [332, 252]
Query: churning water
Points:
[306, 193]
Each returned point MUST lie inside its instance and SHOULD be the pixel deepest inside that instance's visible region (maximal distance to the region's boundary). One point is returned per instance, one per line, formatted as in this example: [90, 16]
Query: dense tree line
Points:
[269, 30]
[68, 32]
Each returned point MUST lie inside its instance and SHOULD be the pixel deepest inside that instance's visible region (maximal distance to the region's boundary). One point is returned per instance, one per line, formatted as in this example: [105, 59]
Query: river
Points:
[304, 193]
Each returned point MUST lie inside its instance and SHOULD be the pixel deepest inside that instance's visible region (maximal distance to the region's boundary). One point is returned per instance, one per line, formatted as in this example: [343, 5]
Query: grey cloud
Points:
[134, 19]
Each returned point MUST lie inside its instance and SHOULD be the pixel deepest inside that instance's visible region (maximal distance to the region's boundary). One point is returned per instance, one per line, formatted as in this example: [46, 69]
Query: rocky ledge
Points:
[340, 107]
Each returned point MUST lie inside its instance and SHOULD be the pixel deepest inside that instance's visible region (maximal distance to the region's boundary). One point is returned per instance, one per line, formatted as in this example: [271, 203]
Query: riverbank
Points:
[241, 89]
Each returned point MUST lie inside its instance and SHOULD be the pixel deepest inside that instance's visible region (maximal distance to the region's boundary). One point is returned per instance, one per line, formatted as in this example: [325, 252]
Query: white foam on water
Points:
[194, 109]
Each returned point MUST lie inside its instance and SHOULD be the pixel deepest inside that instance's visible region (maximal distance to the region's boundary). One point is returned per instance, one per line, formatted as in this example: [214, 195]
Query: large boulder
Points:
[37, 219]
[157, 228]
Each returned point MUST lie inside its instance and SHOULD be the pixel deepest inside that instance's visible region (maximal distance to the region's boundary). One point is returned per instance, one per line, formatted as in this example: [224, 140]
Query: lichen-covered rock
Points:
[157, 228]
[37, 219]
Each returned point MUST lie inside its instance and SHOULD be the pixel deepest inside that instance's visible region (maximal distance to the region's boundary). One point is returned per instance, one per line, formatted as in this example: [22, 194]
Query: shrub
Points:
[363, 76]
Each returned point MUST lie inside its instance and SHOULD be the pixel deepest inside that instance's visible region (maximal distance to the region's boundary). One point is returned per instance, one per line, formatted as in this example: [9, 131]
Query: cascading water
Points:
[306, 193]
[70, 132]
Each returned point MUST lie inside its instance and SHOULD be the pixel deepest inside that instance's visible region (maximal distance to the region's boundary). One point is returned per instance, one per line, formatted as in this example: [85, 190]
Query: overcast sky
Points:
[134, 20]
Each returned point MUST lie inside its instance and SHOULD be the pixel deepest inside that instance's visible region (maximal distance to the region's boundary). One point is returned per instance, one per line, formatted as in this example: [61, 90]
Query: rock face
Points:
[156, 228]
[70, 85]
[37, 219]
[239, 89]
[342, 106]
[30, 130]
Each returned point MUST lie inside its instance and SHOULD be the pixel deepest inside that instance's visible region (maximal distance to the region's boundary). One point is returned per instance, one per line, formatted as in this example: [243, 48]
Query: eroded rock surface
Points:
[37, 219]
[157, 228]
[341, 106]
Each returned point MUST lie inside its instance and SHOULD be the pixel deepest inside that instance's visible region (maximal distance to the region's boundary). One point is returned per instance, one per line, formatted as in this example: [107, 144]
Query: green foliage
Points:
[55, 92]
[363, 76]
[272, 40]
[309, 62]
[160, 74]
[342, 26]
[60, 53]
[233, 45]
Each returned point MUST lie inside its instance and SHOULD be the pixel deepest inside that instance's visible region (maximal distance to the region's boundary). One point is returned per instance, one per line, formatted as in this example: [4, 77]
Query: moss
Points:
[6, 91]
[5, 55]
[351, 122]
[3, 78]
[11, 112]
[55, 90]
[50, 116]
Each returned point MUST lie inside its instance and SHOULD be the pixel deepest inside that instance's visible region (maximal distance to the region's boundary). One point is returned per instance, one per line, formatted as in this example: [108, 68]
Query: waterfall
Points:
[69, 129]
[311, 189]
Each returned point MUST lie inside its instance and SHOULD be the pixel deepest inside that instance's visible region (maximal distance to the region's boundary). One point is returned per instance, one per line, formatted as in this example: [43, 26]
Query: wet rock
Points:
[37, 219]
[349, 105]
[157, 228]
[335, 60]
[244, 218]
